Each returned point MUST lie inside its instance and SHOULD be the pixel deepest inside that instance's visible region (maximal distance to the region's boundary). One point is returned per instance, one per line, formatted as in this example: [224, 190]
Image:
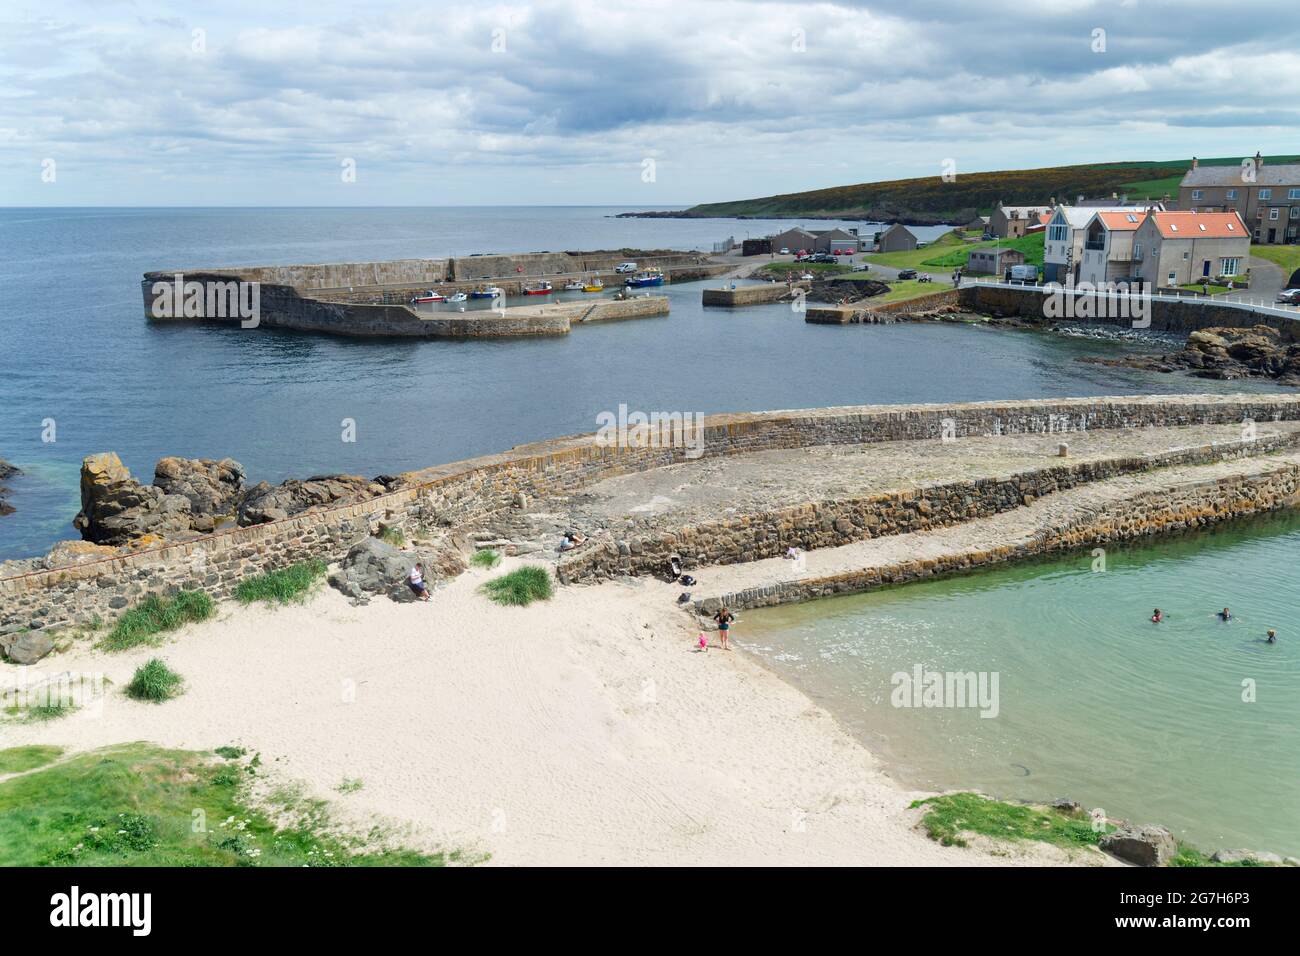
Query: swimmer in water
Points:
[1224, 615]
[1272, 636]
[1156, 616]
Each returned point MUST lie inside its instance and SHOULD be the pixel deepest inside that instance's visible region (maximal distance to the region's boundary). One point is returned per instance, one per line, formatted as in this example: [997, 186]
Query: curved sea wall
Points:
[450, 498]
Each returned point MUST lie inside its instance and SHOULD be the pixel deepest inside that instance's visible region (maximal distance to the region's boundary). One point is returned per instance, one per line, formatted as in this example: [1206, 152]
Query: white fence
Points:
[1259, 307]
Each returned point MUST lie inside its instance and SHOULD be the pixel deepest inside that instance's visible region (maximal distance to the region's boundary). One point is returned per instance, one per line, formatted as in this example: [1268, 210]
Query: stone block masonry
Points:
[453, 497]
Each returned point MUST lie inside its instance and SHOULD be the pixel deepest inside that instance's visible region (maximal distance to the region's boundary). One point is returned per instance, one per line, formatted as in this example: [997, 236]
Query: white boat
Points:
[573, 285]
[457, 297]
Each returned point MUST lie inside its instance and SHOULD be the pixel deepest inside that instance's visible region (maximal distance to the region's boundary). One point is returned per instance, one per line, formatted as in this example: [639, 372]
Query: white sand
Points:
[584, 730]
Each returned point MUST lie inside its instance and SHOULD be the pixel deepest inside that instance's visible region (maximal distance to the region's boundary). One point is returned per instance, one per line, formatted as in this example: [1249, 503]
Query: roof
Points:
[1283, 174]
[897, 225]
[1121, 221]
[1080, 216]
[1200, 225]
[1023, 212]
[997, 252]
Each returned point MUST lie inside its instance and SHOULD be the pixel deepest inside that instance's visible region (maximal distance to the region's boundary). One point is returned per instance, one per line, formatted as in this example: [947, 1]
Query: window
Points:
[1274, 213]
[1186, 256]
[1229, 267]
[1293, 194]
[1198, 194]
[1295, 212]
[1173, 278]
[1232, 194]
[1266, 194]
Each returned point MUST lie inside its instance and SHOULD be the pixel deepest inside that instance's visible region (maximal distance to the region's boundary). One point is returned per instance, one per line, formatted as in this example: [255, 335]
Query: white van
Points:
[625, 267]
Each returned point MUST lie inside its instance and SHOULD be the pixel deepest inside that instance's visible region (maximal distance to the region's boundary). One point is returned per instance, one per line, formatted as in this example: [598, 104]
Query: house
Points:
[1180, 248]
[1108, 246]
[794, 239]
[756, 247]
[897, 238]
[979, 222]
[835, 240]
[993, 261]
[1012, 222]
[1063, 244]
[1267, 197]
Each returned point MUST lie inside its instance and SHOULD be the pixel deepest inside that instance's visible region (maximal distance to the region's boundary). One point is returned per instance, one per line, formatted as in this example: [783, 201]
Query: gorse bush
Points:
[155, 682]
[521, 586]
[283, 585]
[156, 615]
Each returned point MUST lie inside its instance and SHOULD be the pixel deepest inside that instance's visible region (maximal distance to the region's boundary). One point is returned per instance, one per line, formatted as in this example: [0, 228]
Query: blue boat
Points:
[489, 293]
[649, 277]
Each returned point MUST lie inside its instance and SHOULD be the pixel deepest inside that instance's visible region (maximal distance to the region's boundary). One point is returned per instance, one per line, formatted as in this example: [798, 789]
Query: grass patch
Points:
[393, 536]
[350, 785]
[1288, 257]
[18, 759]
[155, 682]
[230, 753]
[487, 558]
[950, 251]
[798, 268]
[156, 615]
[948, 817]
[140, 805]
[283, 585]
[521, 586]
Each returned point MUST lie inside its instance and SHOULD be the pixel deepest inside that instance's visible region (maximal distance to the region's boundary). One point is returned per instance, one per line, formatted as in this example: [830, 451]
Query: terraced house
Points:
[1180, 248]
[1266, 196]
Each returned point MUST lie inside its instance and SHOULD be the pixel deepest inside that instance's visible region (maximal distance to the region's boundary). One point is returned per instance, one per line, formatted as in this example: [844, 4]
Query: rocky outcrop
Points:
[213, 488]
[265, 502]
[1247, 857]
[6, 471]
[1143, 846]
[376, 567]
[1226, 353]
[844, 291]
[25, 647]
[116, 509]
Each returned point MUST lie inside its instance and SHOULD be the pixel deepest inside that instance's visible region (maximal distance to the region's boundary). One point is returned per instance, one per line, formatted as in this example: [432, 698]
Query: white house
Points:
[1063, 242]
[1107, 254]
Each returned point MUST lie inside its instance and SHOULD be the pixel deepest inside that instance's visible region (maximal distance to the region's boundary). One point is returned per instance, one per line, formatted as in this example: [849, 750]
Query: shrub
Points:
[154, 681]
[487, 558]
[283, 585]
[154, 615]
[393, 536]
[521, 586]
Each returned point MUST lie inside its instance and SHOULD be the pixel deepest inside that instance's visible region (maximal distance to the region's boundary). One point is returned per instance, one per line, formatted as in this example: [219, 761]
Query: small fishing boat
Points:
[647, 278]
[431, 296]
[595, 285]
[573, 285]
[491, 292]
[457, 297]
[540, 288]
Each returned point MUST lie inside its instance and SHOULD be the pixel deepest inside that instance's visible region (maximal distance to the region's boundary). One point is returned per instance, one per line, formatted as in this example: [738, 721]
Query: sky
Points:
[654, 103]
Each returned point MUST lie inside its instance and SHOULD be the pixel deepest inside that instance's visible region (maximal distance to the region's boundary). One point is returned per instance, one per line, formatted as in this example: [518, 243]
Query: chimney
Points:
[1194, 162]
[1259, 161]
[1080, 199]
[1053, 202]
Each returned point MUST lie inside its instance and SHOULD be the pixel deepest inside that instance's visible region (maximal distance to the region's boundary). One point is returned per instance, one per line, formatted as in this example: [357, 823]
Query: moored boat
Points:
[491, 292]
[573, 285]
[540, 288]
[457, 297]
[647, 278]
[595, 285]
[431, 296]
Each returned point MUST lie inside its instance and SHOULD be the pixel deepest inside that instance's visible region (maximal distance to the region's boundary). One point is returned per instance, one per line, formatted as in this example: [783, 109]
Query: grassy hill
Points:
[929, 199]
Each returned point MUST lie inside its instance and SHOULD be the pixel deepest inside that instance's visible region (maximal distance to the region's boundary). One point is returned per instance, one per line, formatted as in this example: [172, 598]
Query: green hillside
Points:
[929, 199]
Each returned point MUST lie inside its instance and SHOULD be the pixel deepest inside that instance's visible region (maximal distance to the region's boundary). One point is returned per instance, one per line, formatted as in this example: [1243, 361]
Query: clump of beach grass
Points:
[282, 585]
[487, 558]
[521, 586]
[134, 805]
[154, 616]
[350, 785]
[155, 682]
[947, 818]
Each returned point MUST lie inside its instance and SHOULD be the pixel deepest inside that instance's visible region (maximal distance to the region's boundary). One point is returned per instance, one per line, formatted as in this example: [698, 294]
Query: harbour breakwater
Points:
[447, 501]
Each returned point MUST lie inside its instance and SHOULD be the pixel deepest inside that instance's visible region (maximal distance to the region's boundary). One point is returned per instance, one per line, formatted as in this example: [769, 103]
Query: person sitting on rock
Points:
[415, 581]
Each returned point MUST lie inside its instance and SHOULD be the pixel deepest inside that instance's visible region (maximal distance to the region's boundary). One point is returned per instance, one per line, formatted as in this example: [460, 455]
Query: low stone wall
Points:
[748, 294]
[454, 496]
[1168, 510]
[1183, 316]
[830, 523]
[924, 303]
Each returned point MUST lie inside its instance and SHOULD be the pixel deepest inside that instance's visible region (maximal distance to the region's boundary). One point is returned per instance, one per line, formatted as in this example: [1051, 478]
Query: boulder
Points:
[212, 487]
[1143, 846]
[116, 509]
[25, 647]
[265, 502]
[374, 566]
[6, 471]
[1246, 856]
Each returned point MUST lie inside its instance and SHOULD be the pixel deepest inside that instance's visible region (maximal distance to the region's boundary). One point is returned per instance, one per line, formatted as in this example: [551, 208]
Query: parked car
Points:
[1289, 297]
[802, 257]
[1025, 273]
[907, 274]
[785, 250]
[625, 267]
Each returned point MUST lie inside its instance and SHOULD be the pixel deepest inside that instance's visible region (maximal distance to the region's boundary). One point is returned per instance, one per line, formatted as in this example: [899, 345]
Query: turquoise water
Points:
[1095, 702]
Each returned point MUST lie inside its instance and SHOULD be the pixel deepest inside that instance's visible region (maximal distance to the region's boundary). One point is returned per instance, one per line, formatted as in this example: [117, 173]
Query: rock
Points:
[1066, 805]
[1145, 846]
[374, 566]
[1244, 856]
[265, 502]
[6, 471]
[211, 487]
[26, 647]
[116, 509]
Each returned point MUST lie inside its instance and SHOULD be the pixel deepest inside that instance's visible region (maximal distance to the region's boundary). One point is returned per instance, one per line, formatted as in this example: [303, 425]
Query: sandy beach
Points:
[583, 730]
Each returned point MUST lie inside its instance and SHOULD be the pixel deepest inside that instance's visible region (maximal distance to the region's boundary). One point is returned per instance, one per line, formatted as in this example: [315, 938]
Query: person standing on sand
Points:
[724, 619]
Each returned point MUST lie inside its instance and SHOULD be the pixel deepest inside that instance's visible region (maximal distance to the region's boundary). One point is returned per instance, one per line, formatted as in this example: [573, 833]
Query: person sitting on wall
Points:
[415, 581]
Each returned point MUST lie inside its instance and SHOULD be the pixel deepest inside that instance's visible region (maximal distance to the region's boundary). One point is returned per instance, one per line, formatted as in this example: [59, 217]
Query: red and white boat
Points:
[540, 288]
[431, 296]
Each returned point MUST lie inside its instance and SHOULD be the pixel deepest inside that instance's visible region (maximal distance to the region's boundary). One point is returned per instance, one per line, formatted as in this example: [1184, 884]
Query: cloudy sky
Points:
[230, 102]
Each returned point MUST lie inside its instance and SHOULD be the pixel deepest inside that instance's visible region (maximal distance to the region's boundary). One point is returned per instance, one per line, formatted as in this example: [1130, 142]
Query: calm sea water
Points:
[1095, 702]
[77, 352]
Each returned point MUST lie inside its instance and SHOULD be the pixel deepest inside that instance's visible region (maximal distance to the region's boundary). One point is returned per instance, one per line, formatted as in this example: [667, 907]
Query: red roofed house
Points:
[1107, 251]
[1180, 248]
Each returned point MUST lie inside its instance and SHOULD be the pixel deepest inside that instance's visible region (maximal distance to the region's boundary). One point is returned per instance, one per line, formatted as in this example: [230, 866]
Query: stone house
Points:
[1012, 222]
[1267, 197]
[897, 238]
[1179, 248]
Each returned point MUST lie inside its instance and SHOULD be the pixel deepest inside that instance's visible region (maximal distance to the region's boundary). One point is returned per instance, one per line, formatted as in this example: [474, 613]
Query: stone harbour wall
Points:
[1170, 510]
[449, 497]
